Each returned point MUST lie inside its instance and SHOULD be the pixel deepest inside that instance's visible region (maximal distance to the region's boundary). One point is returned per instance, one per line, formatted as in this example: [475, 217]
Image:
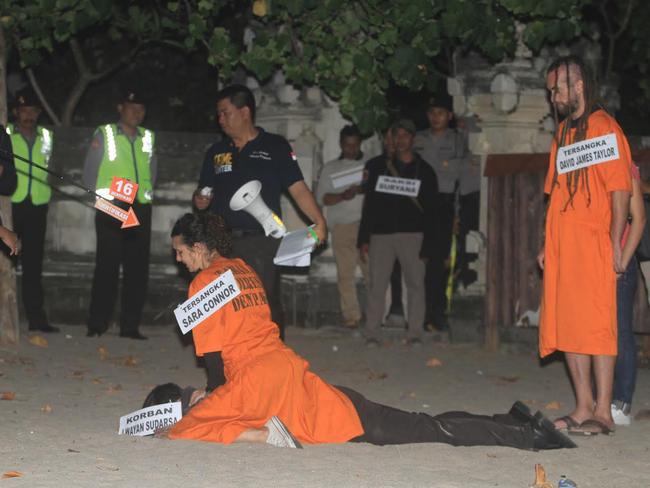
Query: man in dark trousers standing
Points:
[33, 143]
[123, 149]
[444, 149]
[250, 153]
[397, 222]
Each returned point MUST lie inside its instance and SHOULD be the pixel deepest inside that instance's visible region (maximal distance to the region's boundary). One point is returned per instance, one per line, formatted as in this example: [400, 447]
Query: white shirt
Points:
[346, 211]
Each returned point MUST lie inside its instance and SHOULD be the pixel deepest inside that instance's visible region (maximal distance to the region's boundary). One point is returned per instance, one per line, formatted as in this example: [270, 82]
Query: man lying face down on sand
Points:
[262, 391]
[383, 425]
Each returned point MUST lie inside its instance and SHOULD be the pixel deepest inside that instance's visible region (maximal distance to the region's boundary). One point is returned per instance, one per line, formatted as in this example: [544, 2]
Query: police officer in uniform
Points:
[444, 149]
[250, 153]
[33, 143]
[123, 149]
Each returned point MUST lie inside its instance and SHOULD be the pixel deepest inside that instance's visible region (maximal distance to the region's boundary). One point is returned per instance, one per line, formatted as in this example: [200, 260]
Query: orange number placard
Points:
[123, 189]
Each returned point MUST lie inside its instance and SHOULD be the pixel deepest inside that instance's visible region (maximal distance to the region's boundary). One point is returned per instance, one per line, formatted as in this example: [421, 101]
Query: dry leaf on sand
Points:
[103, 352]
[130, 361]
[12, 474]
[38, 340]
[7, 395]
[540, 478]
[433, 363]
[114, 388]
[47, 408]
[554, 405]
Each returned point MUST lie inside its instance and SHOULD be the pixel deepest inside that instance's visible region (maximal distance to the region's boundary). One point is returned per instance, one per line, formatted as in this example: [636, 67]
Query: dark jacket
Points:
[385, 213]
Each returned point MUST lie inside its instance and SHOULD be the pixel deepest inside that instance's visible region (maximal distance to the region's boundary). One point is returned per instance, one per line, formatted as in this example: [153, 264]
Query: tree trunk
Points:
[73, 100]
[9, 331]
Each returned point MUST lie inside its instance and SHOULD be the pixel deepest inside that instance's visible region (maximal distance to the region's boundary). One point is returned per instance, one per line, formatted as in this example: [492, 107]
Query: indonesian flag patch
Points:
[293, 156]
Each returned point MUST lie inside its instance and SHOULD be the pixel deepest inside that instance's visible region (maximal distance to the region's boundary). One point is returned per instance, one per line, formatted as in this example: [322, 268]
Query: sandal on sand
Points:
[569, 423]
[591, 427]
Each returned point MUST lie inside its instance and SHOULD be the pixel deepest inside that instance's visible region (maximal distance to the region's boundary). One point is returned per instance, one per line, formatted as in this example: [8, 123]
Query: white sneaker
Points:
[279, 435]
[621, 413]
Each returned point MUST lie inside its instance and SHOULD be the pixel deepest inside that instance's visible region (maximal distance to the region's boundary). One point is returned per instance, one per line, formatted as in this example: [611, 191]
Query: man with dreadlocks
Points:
[589, 185]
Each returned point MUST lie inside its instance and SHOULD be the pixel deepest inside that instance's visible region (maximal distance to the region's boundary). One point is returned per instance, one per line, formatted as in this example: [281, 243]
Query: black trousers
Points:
[128, 248]
[258, 252]
[470, 205]
[435, 280]
[386, 425]
[30, 223]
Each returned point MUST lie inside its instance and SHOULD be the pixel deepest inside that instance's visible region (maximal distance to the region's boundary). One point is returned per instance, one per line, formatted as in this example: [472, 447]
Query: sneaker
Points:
[621, 413]
[279, 435]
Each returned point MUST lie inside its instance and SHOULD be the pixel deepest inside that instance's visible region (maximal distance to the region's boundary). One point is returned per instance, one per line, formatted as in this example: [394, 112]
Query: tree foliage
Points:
[354, 50]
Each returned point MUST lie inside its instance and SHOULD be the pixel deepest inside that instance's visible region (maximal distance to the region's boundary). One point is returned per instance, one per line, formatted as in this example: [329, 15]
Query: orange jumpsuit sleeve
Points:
[616, 173]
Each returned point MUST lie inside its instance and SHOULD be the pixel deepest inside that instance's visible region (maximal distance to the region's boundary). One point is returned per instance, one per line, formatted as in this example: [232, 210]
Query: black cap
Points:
[442, 100]
[27, 98]
[131, 96]
[407, 124]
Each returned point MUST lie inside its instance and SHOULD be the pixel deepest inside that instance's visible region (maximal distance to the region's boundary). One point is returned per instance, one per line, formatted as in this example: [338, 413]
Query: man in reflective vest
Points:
[124, 149]
[30, 202]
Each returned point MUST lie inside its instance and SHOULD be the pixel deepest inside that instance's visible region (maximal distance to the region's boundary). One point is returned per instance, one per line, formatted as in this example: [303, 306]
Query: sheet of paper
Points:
[348, 177]
[295, 249]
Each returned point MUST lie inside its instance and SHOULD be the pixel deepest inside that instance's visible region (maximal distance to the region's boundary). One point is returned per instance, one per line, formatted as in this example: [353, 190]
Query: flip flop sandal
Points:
[570, 423]
[584, 429]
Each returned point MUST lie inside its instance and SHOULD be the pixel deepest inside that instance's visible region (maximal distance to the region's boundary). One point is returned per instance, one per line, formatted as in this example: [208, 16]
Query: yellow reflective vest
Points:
[32, 180]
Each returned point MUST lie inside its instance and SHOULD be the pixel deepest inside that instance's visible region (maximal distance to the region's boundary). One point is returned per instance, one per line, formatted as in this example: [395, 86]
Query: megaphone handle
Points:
[312, 233]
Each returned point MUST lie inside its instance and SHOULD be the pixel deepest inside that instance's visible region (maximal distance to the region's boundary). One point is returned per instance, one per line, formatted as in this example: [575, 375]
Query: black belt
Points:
[246, 232]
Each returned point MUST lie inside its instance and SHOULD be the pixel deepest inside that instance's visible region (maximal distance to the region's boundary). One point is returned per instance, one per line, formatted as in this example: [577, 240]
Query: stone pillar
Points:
[510, 104]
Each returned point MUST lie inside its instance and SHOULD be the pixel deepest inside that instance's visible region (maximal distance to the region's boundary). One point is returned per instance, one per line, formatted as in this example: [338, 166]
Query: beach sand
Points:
[60, 428]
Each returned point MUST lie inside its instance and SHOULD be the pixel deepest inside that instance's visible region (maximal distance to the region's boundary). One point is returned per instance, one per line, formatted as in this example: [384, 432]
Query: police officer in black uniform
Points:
[249, 153]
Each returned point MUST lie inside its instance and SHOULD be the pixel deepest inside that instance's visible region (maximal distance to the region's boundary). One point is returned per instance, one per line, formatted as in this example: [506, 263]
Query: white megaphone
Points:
[248, 198]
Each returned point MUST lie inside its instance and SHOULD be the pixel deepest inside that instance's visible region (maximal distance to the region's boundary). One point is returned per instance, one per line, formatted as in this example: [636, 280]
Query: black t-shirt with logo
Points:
[267, 158]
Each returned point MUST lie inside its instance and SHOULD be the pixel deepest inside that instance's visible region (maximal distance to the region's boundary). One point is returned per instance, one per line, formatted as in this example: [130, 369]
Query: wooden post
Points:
[492, 314]
[9, 331]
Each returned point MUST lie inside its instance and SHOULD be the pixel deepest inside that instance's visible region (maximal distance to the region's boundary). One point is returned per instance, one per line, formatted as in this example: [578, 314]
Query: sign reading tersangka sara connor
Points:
[206, 301]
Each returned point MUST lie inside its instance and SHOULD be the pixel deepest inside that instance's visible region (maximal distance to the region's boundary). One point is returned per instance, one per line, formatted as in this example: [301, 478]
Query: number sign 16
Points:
[123, 189]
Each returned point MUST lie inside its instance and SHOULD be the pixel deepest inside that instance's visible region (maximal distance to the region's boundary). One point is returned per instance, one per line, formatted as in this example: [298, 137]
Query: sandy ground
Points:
[60, 429]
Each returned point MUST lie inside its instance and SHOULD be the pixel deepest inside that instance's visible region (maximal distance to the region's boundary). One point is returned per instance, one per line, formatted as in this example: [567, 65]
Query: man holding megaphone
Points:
[248, 153]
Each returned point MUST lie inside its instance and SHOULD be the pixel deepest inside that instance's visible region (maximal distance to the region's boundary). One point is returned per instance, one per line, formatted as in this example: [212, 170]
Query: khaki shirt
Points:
[445, 153]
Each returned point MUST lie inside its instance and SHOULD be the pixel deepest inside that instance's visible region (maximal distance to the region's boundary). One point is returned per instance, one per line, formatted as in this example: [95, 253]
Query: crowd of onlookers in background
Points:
[402, 217]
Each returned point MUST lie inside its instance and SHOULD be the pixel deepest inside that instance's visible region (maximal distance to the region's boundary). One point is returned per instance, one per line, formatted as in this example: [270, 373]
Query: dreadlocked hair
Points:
[205, 227]
[576, 70]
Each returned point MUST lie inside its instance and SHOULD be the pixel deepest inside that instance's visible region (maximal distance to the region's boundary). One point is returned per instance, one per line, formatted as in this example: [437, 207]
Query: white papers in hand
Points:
[347, 177]
[295, 249]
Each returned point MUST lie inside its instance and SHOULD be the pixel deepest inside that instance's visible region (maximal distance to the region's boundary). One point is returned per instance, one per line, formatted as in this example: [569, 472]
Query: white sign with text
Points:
[147, 420]
[398, 186]
[206, 301]
[587, 153]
